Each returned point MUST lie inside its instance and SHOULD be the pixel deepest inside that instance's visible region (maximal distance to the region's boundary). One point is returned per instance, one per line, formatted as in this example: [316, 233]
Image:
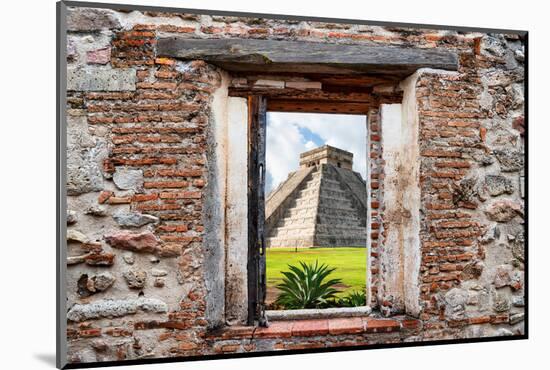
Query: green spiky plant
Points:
[307, 286]
[357, 298]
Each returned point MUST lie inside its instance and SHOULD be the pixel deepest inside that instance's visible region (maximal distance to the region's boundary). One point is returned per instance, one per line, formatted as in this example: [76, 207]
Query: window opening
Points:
[316, 206]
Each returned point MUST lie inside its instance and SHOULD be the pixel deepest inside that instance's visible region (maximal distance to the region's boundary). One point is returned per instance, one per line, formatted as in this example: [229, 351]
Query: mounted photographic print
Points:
[235, 184]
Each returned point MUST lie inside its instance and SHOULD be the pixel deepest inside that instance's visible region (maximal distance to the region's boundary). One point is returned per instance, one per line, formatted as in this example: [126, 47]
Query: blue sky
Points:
[289, 134]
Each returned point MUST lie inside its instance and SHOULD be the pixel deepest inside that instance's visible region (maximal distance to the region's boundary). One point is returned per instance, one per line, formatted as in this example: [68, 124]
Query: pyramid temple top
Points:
[327, 154]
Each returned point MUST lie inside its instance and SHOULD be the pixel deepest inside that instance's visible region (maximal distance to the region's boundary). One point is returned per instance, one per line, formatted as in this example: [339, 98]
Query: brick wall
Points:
[139, 160]
[472, 232]
[376, 174]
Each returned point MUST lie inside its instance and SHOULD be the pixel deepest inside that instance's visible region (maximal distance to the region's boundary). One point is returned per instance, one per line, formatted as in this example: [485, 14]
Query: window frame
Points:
[258, 106]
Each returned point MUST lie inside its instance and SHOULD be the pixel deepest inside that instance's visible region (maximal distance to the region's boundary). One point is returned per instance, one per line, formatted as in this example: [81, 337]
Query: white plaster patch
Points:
[391, 260]
[214, 208]
[412, 199]
[237, 211]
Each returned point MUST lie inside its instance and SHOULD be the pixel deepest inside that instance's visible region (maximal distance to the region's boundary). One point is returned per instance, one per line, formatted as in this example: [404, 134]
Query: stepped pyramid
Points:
[322, 204]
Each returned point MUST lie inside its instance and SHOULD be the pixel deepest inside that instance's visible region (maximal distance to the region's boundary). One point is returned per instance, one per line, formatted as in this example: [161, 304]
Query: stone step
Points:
[330, 182]
[325, 219]
[337, 193]
[330, 214]
[289, 243]
[299, 218]
[336, 203]
[331, 220]
[300, 212]
[334, 206]
[308, 192]
[341, 241]
[305, 202]
[292, 232]
[296, 221]
[341, 234]
[351, 225]
[326, 228]
[309, 241]
[312, 185]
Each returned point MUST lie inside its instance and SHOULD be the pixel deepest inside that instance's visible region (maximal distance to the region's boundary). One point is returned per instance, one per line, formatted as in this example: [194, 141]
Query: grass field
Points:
[350, 264]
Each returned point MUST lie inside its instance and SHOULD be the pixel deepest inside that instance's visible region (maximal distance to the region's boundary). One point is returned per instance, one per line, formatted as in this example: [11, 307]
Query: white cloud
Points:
[310, 145]
[285, 142]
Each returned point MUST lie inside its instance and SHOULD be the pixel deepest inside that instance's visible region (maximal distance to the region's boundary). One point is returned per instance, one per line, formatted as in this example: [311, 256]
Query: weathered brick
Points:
[381, 326]
[304, 328]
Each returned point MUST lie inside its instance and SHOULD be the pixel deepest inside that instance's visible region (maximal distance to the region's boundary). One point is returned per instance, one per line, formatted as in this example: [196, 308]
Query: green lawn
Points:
[350, 264]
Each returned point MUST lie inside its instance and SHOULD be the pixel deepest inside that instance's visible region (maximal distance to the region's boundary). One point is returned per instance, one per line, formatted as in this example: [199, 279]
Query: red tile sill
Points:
[319, 327]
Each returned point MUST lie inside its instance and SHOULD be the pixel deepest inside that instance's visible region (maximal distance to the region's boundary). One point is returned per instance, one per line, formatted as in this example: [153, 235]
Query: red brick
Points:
[181, 195]
[157, 85]
[519, 124]
[440, 206]
[232, 332]
[119, 200]
[166, 74]
[276, 329]
[258, 31]
[146, 161]
[440, 153]
[89, 333]
[482, 133]
[411, 323]
[104, 196]
[211, 29]
[381, 326]
[448, 267]
[179, 173]
[457, 224]
[157, 207]
[166, 184]
[453, 164]
[462, 124]
[175, 29]
[302, 328]
[456, 234]
[187, 346]
[118, 332]
[165, 61]
[499, 319]
[100, 259]
[173, 228]
[144, 197]
[479, 320]
[353, 325]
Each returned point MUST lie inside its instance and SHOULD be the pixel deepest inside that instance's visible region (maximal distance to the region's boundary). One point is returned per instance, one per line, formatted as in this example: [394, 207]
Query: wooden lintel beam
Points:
[279, 56]
[312, 106]
[317, 95]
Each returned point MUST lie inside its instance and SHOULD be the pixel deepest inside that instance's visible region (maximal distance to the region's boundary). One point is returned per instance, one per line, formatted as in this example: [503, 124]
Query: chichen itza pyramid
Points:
[322, 204]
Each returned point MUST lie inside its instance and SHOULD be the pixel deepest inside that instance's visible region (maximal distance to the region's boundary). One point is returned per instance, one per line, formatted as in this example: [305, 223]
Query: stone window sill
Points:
[325, 313]
[318, 327]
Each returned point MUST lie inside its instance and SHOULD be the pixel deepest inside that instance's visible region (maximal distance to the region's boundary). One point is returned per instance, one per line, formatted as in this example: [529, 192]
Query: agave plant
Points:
[357, 298]
[306, 286]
